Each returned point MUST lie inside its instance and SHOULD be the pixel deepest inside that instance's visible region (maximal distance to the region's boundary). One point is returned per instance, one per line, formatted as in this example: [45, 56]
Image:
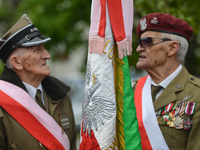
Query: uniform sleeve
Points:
[194, 135]
[2, 131]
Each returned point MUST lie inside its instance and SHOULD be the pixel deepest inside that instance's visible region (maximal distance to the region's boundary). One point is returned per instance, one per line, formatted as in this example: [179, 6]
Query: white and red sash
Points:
[31, 117]
[151, 135]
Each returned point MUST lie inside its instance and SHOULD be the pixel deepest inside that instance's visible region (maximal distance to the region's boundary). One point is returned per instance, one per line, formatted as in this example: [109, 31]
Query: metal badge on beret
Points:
[164, 23]
[143, 24]
[154, 20]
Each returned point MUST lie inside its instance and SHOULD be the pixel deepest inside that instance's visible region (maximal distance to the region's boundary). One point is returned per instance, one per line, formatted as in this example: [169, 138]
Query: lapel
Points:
[169, 93]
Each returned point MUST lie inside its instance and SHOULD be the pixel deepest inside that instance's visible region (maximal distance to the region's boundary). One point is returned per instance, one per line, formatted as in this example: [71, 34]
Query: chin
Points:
[140, 66]
[46, 73]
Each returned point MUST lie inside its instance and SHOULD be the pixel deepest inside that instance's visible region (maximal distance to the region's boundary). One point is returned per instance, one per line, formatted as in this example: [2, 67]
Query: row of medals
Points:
[176, 117]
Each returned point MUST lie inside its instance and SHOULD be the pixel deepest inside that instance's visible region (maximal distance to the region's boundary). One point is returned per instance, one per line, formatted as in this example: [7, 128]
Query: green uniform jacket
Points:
[58, 105]
[182, 85]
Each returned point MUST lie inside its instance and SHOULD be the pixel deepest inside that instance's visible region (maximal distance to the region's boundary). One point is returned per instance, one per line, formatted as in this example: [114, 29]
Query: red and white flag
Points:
[111, 23]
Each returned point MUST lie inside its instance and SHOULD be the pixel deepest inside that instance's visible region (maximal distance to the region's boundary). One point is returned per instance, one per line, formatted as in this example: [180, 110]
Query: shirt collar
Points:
[32, 90]
[165, 82]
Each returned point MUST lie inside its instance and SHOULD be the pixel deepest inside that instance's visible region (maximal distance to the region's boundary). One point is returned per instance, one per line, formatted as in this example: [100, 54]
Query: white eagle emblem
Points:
[143, 24]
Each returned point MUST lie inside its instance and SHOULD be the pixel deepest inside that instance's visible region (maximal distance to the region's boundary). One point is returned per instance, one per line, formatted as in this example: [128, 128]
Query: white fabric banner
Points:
[99, 104]
[149, 119]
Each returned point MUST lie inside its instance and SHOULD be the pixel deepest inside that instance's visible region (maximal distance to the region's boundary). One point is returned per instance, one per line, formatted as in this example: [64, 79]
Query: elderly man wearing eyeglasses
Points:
[167, 100]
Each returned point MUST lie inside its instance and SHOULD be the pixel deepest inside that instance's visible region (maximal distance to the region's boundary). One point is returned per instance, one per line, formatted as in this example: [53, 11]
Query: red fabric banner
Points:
[138, 104]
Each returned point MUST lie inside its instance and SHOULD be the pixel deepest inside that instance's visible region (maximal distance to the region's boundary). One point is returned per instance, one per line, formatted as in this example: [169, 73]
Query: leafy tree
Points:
[67, 23]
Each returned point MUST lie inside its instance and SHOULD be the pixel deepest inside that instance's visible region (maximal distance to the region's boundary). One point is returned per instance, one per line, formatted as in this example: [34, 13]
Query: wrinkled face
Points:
[154, 56]
[34, 61]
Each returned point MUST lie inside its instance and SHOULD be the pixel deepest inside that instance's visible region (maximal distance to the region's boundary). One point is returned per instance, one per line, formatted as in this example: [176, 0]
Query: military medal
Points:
[175, 105]
[181, 105]
[167, 108]
[171, 124]
[182, 110]
[172, 114]
[177, 110]
[189, 110]
[160, 122]
[178, 122]
[165, 118]
[188, 124]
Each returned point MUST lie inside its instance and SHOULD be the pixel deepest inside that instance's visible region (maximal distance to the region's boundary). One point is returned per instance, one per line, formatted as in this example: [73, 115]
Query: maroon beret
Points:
[167, 23]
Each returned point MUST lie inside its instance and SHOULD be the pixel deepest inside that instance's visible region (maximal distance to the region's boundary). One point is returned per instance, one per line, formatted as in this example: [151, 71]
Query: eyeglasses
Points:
[147, 41]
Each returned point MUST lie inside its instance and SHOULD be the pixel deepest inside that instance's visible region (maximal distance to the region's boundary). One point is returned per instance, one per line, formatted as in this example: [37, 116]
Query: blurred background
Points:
[67, 23]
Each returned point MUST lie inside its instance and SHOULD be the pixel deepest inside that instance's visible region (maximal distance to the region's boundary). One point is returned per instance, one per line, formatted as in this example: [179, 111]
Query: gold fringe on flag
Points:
[119, 84]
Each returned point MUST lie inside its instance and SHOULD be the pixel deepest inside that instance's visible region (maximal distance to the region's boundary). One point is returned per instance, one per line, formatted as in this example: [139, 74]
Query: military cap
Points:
[166, 23]
[21, 34]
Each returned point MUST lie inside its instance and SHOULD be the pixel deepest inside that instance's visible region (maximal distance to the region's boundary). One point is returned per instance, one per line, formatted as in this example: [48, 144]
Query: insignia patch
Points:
[143, 24]
[65, 121]
[154, 21]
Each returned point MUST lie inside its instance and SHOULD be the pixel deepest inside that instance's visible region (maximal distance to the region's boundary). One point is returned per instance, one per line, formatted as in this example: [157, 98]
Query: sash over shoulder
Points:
[35, 120]
[148, 126]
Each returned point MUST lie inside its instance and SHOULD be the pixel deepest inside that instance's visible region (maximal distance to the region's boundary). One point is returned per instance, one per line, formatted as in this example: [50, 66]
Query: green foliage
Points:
[186, 10]
[62, 20]
[65, 21]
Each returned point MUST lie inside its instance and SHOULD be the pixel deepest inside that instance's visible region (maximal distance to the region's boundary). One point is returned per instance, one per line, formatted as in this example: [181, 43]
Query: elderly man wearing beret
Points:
[167, 100]
[35, 108]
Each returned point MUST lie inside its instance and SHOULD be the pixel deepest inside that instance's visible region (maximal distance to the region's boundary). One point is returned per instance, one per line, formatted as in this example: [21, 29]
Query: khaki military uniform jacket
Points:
[58, 105]
[182, 85]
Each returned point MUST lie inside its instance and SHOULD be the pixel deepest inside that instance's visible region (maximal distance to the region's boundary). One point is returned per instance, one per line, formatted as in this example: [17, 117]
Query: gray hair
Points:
[18, 52]
[183, 47]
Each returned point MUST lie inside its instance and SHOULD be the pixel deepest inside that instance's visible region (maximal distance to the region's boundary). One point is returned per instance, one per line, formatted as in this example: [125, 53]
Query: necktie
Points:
[39, 99]
[154, 91]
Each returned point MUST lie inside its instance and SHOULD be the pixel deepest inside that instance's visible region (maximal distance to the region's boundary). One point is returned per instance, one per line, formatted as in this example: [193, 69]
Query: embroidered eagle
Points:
[96, 109]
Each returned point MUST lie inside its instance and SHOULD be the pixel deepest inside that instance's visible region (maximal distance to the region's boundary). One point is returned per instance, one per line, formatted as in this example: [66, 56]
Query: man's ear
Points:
[16, 62]
[173, 47]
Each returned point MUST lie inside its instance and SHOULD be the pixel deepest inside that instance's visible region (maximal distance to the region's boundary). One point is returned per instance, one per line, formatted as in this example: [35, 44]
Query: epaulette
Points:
[194, 80]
